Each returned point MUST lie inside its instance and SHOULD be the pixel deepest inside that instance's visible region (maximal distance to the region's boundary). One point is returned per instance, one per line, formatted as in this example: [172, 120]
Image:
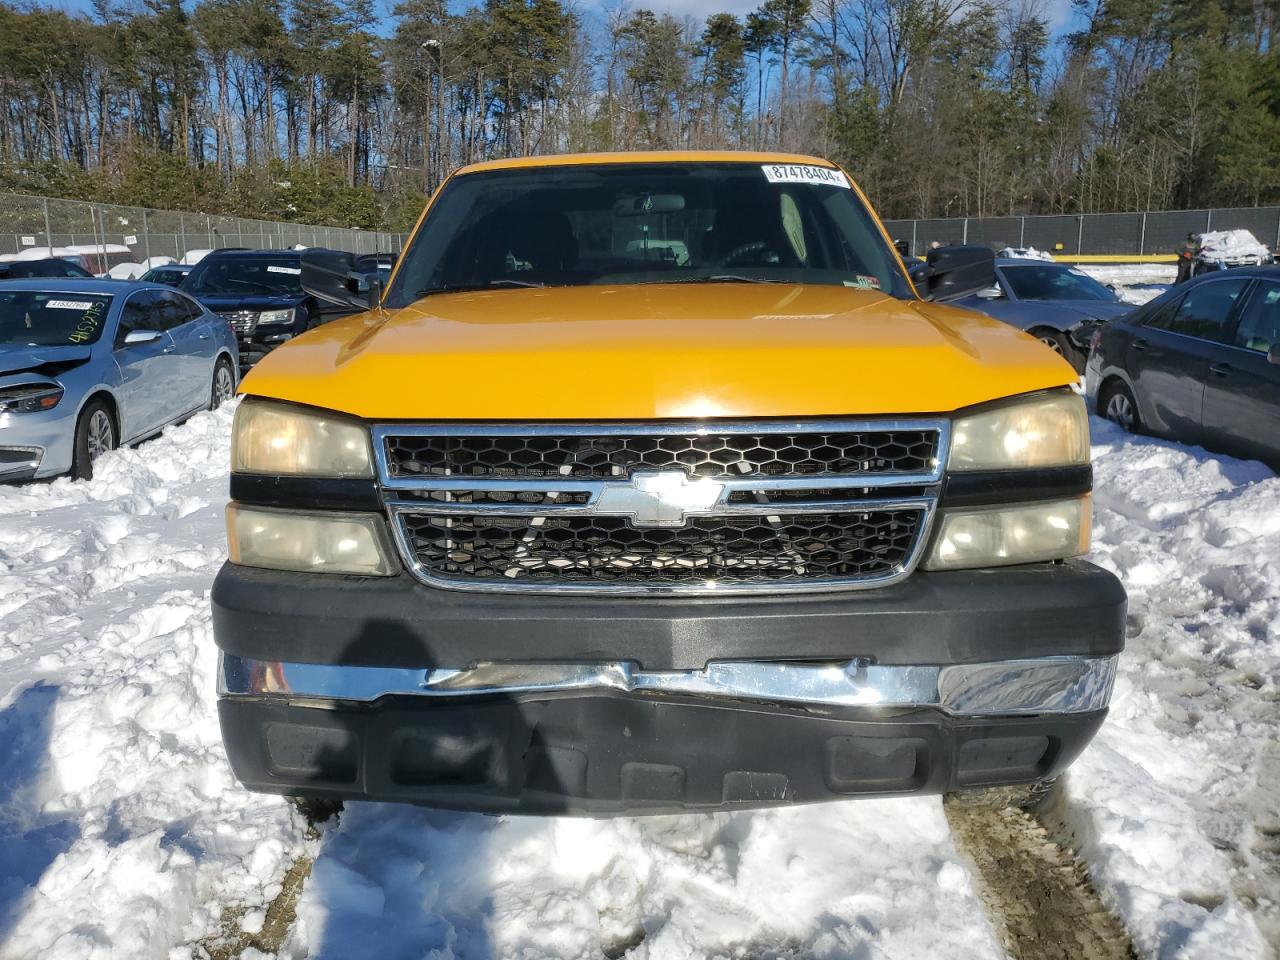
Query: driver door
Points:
[145, 368]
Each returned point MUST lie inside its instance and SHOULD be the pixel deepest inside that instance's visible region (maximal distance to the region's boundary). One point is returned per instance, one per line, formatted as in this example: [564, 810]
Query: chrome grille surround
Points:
[770, 498]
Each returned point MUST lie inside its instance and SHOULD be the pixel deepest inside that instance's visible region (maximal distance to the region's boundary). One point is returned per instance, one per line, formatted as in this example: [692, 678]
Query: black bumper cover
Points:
[607, 754]
[971, 616]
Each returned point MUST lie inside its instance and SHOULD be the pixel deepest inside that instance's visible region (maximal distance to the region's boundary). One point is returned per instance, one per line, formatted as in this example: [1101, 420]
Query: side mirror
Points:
[954, 272]
[1273, 355]
[141, 336]
[990, 293]
[332, 276]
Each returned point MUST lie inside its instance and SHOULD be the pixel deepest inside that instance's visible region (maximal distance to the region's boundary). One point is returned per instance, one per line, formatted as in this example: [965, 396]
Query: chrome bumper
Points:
[1045, 685]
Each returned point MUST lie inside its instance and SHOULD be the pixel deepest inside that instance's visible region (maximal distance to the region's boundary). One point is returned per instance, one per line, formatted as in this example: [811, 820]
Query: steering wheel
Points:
[742, 249]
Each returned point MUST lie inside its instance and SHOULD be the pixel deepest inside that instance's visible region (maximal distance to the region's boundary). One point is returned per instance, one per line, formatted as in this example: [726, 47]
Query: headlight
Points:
[276, 316]
[1047, 431]
[281, 439]
[30, 398]
[1000, 536]
[354, 543]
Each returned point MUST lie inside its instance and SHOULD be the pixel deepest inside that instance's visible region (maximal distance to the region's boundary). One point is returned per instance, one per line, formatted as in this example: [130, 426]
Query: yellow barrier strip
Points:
[1116, 258]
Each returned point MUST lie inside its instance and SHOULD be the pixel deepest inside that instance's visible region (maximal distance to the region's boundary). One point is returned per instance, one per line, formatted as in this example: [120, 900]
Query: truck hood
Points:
[663, 351]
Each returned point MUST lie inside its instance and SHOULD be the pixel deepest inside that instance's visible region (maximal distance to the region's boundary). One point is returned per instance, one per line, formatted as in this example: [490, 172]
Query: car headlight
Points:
[1046, 431]
[30, 398]
[283, 439]
[1001, 536]
[352, 543]
[276, 316]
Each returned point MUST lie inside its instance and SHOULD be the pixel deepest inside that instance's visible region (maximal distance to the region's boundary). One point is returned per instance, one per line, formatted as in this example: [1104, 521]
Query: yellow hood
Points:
[663, 351]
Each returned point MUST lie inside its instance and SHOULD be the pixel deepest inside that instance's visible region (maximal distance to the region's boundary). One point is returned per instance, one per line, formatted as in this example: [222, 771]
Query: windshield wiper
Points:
[464, 287]
[721, 278]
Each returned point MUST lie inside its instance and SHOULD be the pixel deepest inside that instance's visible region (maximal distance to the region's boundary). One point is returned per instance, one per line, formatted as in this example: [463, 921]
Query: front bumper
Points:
[38, 444]
[369, 688]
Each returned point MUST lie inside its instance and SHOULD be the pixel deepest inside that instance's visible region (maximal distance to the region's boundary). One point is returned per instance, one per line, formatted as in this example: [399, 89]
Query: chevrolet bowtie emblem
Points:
[659, 499]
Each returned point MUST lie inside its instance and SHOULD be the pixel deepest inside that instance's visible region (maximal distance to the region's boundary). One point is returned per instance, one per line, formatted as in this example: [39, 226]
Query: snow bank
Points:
[1231, 245]
[1025, 253]
[873, 878]
[122, 832]
[1175, 805]
[1135, 282]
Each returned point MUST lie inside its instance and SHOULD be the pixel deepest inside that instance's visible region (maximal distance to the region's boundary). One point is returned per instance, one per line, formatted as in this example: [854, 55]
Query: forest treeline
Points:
[318, 111]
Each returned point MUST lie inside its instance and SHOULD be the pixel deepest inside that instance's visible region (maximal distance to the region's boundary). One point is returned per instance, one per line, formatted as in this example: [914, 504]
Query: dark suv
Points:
[259, 294]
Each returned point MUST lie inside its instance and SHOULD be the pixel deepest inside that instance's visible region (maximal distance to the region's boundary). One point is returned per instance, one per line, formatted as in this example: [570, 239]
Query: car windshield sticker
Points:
[274, 269]
[68, 304]
[799, 173]
[865, 282]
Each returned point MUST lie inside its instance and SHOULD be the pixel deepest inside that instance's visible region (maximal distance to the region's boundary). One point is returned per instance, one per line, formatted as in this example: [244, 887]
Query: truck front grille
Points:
[713, 454]
[610, 550]
[662, 508]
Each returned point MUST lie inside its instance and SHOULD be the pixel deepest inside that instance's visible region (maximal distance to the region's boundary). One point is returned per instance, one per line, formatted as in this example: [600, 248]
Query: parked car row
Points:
[89, 364]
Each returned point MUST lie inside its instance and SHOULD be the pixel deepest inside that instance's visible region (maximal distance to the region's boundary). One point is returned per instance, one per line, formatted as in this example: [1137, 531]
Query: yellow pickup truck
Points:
[651, 483]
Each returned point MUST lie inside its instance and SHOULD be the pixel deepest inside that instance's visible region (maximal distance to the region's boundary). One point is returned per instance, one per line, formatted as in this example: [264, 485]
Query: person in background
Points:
[1186, 259]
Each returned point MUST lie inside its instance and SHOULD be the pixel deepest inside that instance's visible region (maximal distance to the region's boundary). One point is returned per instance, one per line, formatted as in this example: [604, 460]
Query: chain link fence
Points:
[1090, 234]
[27, 221]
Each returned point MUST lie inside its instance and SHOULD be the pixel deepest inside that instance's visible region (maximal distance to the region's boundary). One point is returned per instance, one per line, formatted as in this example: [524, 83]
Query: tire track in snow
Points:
[1037, 891]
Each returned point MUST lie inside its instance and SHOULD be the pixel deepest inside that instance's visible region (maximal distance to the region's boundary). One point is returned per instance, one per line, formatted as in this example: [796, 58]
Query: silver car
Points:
[1056, 303]
[86, 365]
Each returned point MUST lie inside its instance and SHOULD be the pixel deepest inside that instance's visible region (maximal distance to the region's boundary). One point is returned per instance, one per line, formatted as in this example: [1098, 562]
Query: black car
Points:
[259, 294]
[1199, 364]
[171, 274]
[49, 267]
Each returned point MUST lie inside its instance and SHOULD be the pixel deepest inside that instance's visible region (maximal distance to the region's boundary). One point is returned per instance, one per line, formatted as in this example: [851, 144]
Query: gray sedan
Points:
[86, 365]
[1057, 304]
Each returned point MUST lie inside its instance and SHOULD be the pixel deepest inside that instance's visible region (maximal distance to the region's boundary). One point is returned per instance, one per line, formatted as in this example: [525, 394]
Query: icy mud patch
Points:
[872, 878]
[122, 831]
[1174, 805]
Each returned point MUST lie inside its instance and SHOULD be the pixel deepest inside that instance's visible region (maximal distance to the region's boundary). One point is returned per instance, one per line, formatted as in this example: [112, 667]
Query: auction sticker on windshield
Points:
[68, 305]
[274, 269]
[800, 173]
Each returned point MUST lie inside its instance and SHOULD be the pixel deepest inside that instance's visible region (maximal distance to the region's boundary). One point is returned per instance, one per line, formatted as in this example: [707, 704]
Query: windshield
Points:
[44, 319]
[1053, 281]
[647, 223]
[270, 276]
[166, 275]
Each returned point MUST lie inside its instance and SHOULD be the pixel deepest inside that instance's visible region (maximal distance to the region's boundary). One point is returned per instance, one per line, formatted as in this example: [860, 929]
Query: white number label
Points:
[274, 269]
[799, 173]
[68, 305]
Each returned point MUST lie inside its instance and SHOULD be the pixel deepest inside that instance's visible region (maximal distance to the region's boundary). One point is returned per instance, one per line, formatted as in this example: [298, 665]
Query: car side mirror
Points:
[1273, 355]
[961, 271]
[990, 293]
[141, 336]
[332, 276]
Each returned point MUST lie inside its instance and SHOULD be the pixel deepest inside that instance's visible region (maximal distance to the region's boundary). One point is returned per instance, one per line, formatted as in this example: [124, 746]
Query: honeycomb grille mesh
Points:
[604, 550]
[605, 457]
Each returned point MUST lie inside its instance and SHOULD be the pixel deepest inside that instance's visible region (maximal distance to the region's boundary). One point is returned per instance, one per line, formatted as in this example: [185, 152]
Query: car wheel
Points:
[1061, 344]
[1119, 406]
[95, 435]
[224, 384]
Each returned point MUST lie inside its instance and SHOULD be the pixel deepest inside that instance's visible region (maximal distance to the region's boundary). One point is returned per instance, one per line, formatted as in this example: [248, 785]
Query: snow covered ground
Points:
[1135, 282]
[123, 834]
